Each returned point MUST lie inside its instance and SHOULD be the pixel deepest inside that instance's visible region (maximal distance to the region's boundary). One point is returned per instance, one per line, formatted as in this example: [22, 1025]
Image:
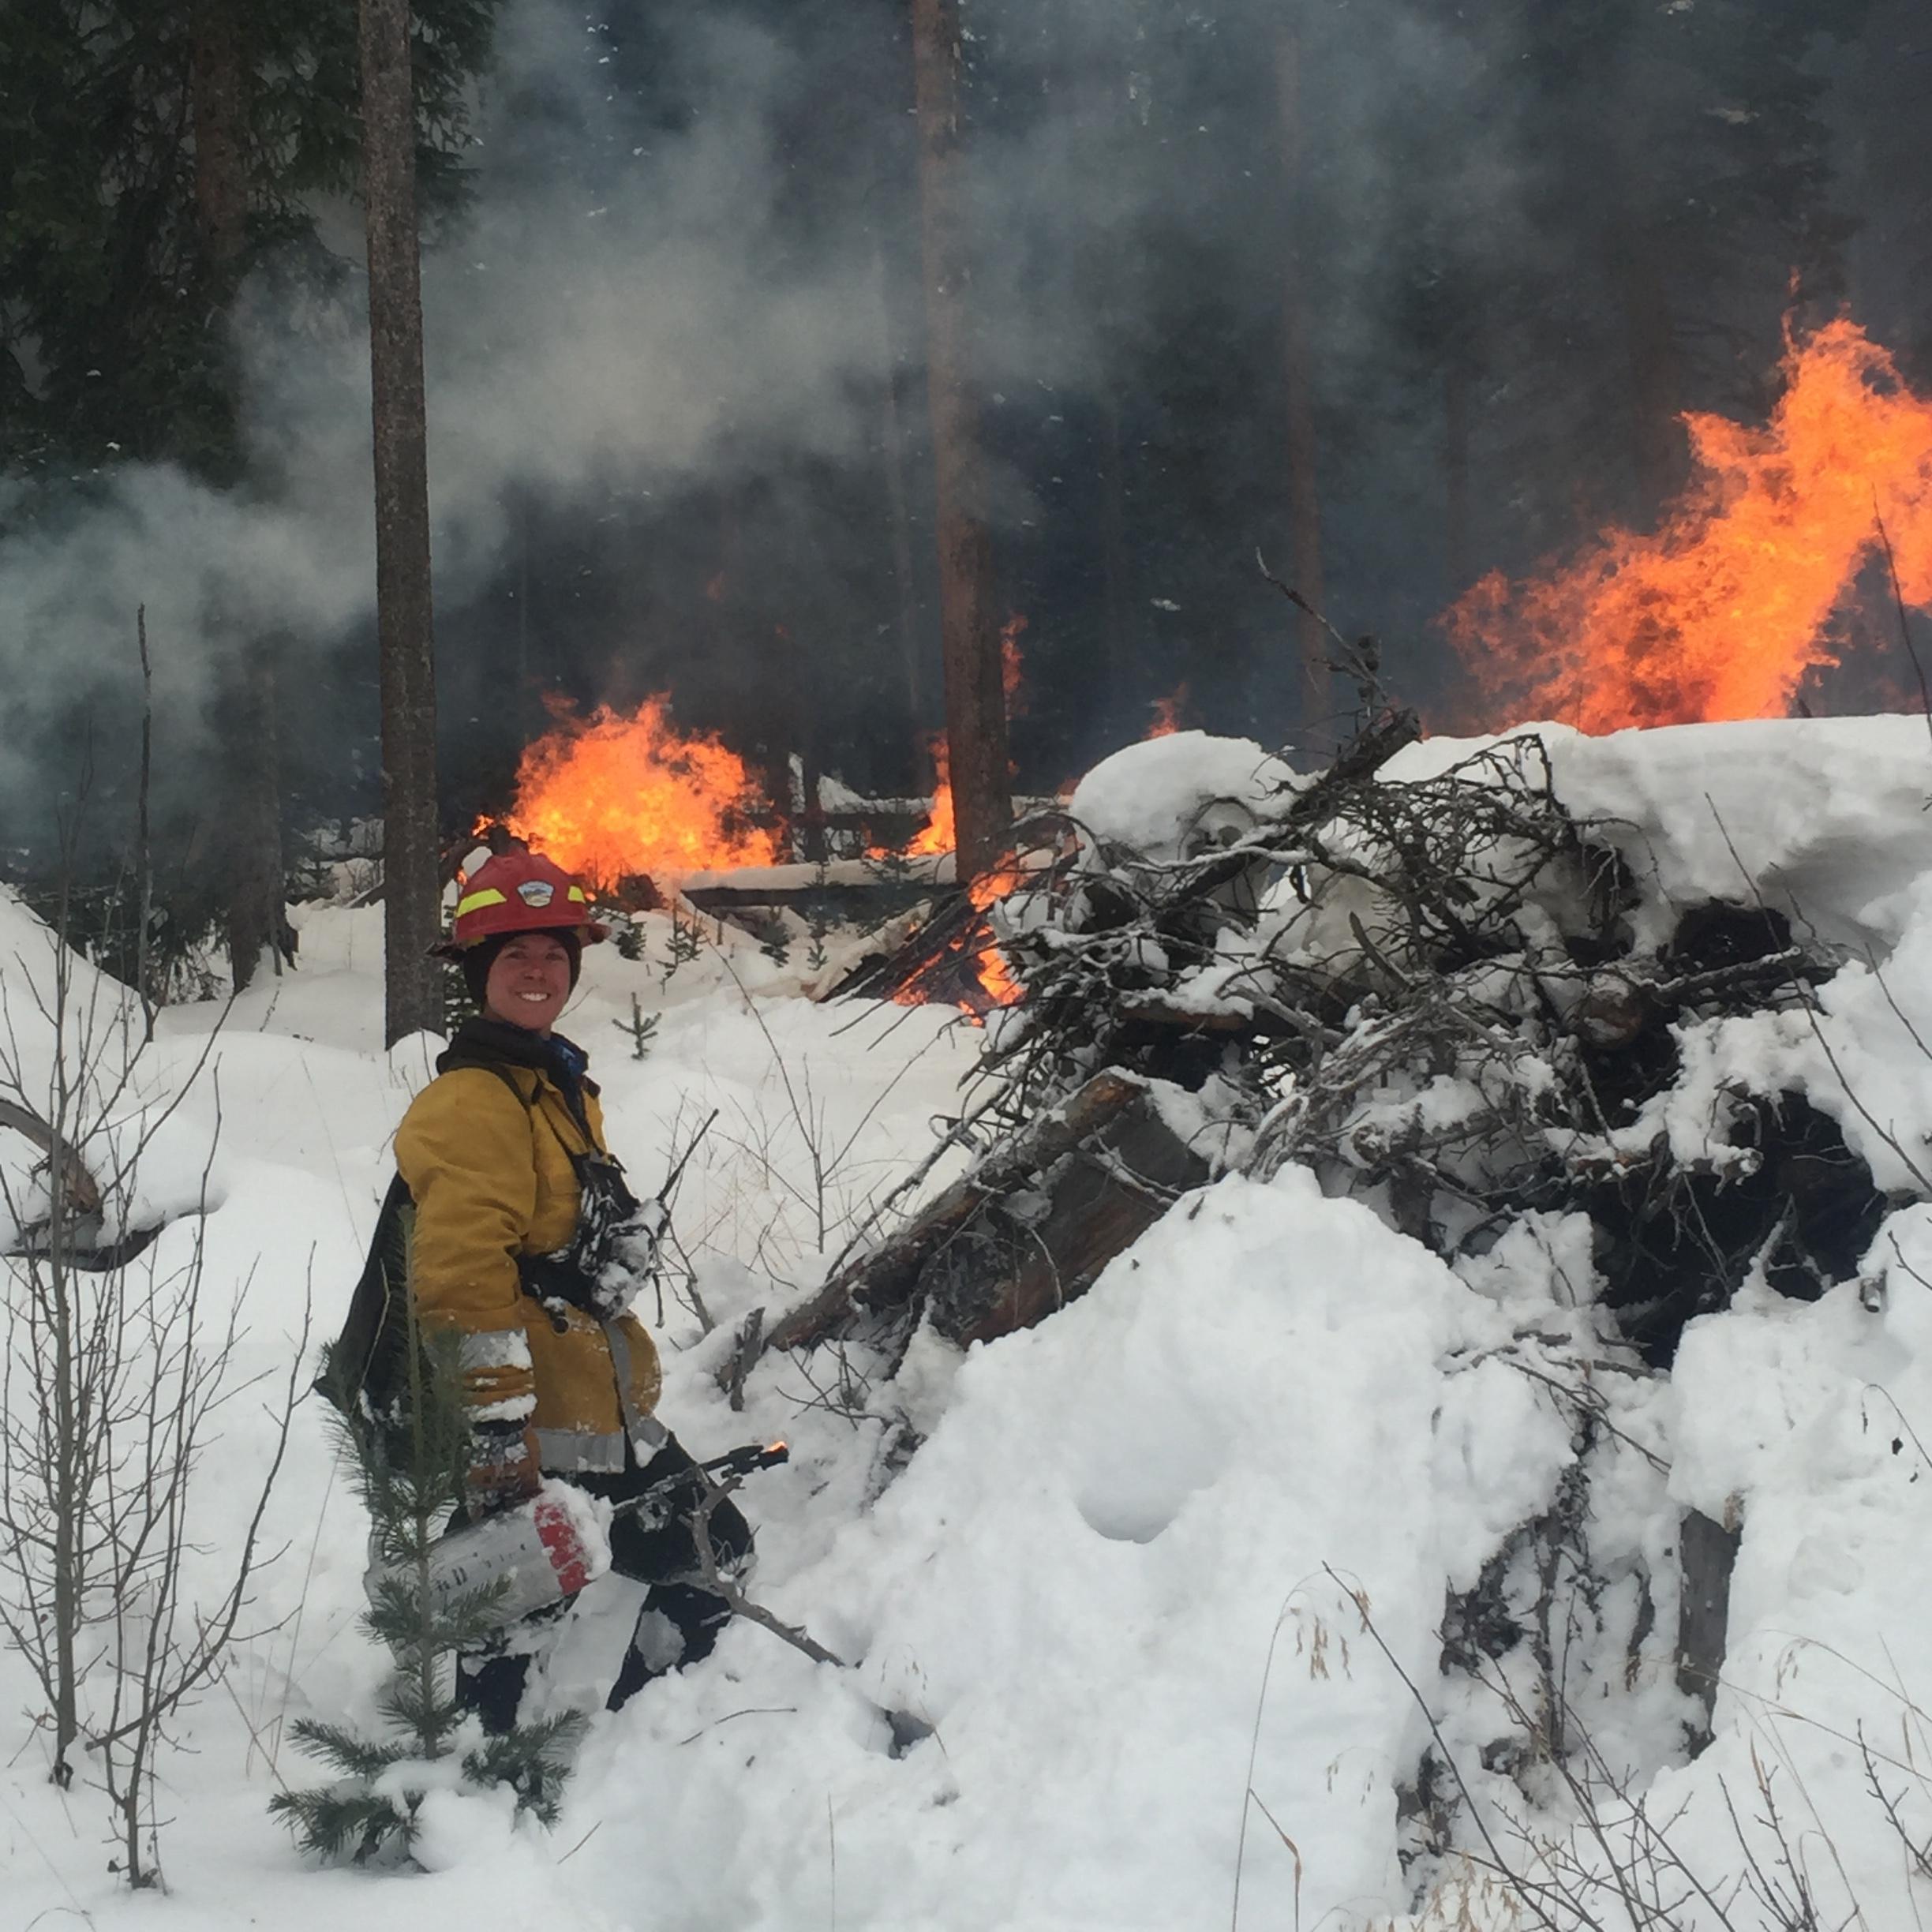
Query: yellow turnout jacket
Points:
[486, 1158]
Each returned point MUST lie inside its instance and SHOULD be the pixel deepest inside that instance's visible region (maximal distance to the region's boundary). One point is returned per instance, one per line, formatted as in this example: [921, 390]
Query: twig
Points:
[720, 1585]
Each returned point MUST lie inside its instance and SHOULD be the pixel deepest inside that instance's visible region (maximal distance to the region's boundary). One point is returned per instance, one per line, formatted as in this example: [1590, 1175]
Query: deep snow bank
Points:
[1079, 1581]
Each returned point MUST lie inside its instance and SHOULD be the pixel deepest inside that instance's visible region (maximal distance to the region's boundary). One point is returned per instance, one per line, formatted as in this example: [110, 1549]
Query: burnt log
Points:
[841, 899]
[1027, 1230]
[934, 962]
[1049, 1245]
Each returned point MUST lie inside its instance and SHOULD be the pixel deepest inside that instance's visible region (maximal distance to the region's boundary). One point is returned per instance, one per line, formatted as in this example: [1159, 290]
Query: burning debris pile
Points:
[1423, 977]
[1430, 989]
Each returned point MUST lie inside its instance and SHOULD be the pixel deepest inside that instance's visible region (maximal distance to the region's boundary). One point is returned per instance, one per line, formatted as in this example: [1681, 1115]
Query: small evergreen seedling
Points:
[639, 1028]
[686, 943]
[815, 953]
[409, 1469]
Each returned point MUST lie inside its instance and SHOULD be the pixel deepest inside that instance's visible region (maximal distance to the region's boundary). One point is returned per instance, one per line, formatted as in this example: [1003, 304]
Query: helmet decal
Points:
[536, 892]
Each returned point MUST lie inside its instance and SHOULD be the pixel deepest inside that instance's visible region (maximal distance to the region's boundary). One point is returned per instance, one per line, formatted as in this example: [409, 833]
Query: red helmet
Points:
[519, 892]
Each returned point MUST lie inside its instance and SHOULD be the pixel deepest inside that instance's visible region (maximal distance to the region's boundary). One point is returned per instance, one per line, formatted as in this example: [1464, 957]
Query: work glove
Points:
[634, 1251]
[503, 1470]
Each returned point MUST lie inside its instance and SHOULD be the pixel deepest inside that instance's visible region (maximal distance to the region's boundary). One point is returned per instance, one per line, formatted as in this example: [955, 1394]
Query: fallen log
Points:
[81, 1209]
[1027, 1230]
[840, 891]
[82, 1190]
[1099, 1200]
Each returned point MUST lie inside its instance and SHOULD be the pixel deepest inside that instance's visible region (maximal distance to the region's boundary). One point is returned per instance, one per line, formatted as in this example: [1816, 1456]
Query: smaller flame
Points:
[1013, 672]
[1167, 712]
[938, 835]
[991, 969]
[997, 977]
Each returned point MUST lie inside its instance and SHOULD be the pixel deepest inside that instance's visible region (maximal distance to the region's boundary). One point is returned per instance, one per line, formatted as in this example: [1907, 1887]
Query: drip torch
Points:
[548, 1548]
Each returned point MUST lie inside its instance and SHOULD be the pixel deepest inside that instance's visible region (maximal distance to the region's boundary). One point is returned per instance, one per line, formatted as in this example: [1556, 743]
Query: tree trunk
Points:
[248, 844]
[1305, 544]
[899, 512]
[218, 80]
[250, 840]
[406, 639]
[969, 628]
[1121, 659]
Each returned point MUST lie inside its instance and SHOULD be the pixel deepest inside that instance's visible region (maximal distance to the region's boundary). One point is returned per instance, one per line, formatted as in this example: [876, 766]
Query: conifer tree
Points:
[411, 1459]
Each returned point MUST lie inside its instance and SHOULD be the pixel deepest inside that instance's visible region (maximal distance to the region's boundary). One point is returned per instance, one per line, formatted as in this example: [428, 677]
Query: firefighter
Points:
[528, 1245]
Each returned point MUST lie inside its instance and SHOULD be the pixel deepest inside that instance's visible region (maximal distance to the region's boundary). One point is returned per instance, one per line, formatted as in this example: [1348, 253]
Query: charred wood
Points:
[888, 1277]
[1707, 1553]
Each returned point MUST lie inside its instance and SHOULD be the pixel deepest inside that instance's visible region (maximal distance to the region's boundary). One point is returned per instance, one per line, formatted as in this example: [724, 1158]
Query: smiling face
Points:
[529, 981]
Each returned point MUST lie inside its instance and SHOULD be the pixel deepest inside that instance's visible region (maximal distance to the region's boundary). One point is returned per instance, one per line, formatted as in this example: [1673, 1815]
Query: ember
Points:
[1723, 612]
[611, 797]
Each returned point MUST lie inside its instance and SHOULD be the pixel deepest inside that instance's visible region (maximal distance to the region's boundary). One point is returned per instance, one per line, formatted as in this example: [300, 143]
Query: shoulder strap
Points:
[511, 1080]
[360, 1360]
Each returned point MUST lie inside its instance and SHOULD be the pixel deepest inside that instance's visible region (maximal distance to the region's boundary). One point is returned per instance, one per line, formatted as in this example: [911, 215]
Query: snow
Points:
[1151, 1567]
[1824, 818]
[1153, 795]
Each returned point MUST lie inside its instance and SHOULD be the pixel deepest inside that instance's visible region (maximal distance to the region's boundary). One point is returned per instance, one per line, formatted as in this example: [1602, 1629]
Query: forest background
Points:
[1426, 288]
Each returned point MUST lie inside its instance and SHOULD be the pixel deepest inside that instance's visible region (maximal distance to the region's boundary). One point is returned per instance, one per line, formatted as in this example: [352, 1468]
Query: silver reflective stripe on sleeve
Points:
[494, 1348]
[563, 1451]
[647, 1434]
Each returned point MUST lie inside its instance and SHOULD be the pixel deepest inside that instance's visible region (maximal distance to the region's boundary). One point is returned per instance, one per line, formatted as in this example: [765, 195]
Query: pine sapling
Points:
[410, 1461]
[686, 943]
[639, 1029]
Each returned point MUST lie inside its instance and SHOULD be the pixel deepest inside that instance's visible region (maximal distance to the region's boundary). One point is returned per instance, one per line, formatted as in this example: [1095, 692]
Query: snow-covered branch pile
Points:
[1609, 1090]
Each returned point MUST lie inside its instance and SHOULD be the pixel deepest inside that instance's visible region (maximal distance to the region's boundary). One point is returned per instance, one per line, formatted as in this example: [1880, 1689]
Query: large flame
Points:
[610, 797]
[1725, 610]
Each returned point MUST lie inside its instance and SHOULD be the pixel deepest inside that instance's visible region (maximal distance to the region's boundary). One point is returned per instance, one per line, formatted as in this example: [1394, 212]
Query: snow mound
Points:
[1153, 796]
[1824, 819]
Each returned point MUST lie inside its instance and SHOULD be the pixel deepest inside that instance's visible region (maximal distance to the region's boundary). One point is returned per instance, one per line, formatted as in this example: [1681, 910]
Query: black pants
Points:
[680, 1621]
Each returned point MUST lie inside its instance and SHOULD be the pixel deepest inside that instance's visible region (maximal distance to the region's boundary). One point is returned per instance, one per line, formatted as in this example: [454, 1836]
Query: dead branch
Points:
[83, 1191]
[720, 1585]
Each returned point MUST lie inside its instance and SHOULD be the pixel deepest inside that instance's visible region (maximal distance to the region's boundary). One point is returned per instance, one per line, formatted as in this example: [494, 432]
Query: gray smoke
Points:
[617, 308]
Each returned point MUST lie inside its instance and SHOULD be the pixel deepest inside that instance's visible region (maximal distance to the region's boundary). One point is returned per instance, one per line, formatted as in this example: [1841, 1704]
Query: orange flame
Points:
[938, 835]
[1725, 610]
[1167, 712]
[610, 797]
[997, 978]
[1013, 672]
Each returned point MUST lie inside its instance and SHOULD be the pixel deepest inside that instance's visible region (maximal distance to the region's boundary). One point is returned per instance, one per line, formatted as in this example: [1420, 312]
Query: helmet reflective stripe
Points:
[519, 892]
